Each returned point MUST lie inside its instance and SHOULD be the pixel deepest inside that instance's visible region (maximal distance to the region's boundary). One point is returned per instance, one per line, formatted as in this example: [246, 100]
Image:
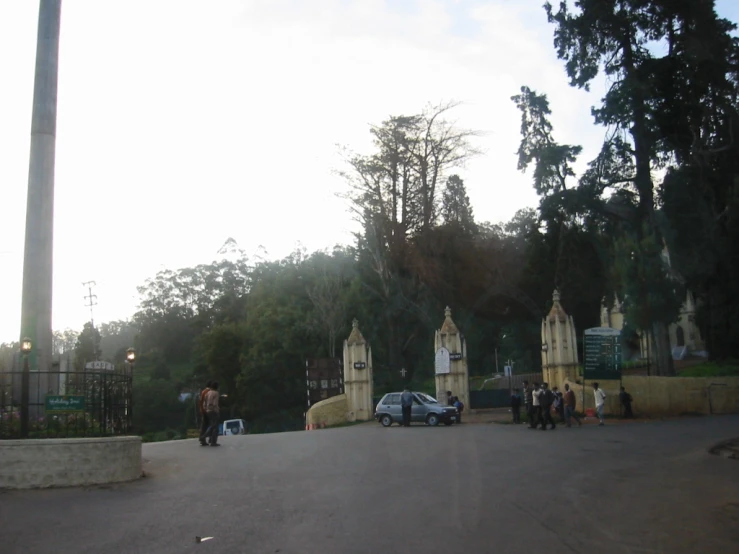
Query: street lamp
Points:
[131, 359]
[26, 346]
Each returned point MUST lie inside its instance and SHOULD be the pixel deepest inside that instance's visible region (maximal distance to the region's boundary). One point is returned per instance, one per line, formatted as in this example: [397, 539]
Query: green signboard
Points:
[602, 353]
[65, 404]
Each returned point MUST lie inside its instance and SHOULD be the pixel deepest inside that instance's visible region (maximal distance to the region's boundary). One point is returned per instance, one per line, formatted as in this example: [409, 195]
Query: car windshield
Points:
[426, 398]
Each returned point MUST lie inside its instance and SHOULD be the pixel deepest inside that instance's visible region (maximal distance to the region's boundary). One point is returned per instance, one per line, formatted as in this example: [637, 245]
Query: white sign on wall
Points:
[442, 362]
[107, 366]
[507, 370]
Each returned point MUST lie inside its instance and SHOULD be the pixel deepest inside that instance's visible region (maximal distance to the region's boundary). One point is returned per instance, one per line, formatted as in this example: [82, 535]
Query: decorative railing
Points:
[62, 404]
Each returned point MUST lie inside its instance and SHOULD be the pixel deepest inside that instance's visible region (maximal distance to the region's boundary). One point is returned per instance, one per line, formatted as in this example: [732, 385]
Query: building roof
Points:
[355, 337]
[448, 327]
[557, 312]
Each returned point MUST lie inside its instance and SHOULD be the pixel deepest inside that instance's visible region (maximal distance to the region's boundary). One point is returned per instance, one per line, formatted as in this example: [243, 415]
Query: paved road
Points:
[470, 488]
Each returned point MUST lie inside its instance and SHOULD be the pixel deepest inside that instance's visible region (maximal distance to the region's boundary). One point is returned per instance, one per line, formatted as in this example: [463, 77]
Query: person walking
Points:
[570, 403]
[213, 412]
[516, 406]
[536, 407]
[203, 415]
[546, 399]
[600, 401]
[406, 403]
[625, 399]
[528, 402]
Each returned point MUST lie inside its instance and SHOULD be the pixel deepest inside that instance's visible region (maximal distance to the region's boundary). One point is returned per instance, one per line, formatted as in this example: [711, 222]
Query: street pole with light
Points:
[496, 354]
[26, 347]
[131, 360]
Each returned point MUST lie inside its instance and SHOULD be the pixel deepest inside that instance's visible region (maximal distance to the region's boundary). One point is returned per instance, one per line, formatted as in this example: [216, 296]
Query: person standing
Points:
[570, 402]
[600, 401]
[546, 399]
[536, 407]
[559, 405]
[406, 403]
[203, 416]
[528, 402]
[626, 400]
[213, 412]
[460, 408]
[516, 406]
[449, 398]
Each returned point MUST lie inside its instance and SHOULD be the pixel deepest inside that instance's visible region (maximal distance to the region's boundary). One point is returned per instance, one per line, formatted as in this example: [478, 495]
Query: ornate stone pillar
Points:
[358, 376]
[451, 369]
[559, 345]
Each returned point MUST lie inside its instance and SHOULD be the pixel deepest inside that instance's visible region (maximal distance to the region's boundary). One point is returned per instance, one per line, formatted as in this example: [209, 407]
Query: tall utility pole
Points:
[38, 256]
[92, 301]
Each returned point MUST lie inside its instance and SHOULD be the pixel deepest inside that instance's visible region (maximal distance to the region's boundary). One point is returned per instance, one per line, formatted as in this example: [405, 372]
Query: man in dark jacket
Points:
[626, 400]
[406, 404]
[516, 406]
[546, 399]
[529, 402]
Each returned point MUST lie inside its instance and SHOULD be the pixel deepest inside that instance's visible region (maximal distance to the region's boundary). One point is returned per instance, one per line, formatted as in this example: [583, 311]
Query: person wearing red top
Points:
[203, 416]
[210, 405]
[570, 403]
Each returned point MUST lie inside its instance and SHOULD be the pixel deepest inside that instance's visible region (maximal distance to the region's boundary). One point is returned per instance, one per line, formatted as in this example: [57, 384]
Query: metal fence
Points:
[64, 404]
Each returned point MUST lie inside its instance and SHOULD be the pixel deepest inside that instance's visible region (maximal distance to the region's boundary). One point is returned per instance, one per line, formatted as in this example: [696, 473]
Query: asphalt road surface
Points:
[463, 489]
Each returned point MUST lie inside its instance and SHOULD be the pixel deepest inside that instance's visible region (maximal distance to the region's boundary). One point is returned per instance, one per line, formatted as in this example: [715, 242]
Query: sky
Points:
[182, 123]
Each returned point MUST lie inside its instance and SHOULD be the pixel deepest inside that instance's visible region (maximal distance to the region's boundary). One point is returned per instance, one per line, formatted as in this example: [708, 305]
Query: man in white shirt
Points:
[600, 400]
[536, 412]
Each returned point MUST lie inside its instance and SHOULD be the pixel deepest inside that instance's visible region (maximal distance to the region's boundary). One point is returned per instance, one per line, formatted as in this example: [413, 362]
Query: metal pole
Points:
[25, 386]
[38, 253]
[584, 361]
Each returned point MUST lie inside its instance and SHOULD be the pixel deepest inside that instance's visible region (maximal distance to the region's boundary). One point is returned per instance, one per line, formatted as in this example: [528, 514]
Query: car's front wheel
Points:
[386, 420]
[432, 420]
[448, 422]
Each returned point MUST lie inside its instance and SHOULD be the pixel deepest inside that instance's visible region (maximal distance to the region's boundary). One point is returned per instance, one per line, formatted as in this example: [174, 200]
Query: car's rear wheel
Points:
[432, 420]
[386, 420]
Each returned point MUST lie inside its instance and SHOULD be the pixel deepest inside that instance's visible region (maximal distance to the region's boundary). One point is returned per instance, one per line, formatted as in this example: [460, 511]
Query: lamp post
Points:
[26, 347]
[131, 360]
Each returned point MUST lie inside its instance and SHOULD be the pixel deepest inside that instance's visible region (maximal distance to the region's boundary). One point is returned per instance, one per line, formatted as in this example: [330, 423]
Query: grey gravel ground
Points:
[649, 487]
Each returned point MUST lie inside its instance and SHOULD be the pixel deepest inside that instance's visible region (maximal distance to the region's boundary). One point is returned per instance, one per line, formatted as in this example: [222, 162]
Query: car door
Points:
[418, 410]
[393, 406]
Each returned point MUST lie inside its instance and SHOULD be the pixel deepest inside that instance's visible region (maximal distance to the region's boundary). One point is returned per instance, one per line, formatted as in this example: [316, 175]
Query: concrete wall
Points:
[331, 411]
[667, 396]
[40, 463]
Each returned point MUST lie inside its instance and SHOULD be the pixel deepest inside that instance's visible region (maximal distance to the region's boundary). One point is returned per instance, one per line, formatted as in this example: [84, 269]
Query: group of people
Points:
[209, 414]
[539, 401]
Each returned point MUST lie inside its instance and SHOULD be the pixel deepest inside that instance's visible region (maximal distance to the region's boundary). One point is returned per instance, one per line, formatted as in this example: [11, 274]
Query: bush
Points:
[729, 368]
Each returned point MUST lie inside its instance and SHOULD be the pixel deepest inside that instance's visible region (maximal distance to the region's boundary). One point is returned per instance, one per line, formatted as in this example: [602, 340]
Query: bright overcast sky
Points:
[182, 123]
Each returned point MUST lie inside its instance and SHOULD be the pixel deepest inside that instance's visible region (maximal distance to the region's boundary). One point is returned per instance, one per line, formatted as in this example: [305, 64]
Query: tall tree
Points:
[619, 38]
[86, 348]
[456, 209]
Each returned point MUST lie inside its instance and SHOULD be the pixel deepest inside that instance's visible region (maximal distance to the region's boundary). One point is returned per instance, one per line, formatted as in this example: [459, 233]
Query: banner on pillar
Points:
[442, 363]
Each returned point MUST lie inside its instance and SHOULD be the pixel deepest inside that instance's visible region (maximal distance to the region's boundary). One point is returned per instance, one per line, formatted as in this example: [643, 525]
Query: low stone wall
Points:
[667, 396]
[325, 413]
[41, 463]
